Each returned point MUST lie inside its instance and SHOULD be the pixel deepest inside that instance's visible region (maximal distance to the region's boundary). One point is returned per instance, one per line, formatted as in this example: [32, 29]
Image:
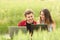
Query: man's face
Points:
[29, 18]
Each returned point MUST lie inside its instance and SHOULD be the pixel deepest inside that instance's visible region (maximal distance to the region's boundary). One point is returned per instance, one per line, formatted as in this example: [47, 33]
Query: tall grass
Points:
[12, 11]
[38, 35]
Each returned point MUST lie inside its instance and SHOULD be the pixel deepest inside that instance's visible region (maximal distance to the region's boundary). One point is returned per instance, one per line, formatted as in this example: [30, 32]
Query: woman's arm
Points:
[54, 26]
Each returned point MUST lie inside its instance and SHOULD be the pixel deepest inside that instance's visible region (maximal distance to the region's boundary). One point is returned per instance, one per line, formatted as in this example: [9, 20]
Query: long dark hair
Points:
[48, 18]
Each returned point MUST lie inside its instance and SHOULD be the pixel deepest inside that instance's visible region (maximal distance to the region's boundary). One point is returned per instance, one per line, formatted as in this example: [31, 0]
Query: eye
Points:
[42, 14]
[31, 16]
[28, 17]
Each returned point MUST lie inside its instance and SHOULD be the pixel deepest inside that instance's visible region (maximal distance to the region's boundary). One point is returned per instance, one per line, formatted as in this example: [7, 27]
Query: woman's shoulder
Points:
[54, 25]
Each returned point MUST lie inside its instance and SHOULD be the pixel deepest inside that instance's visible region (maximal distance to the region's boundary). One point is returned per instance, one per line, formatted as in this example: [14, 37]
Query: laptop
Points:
[39, 26]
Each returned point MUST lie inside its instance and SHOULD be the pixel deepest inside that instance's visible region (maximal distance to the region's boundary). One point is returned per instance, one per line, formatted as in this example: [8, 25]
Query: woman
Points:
[45, 18]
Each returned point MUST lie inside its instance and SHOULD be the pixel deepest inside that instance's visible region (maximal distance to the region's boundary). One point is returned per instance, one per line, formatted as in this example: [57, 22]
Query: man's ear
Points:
[25, 17]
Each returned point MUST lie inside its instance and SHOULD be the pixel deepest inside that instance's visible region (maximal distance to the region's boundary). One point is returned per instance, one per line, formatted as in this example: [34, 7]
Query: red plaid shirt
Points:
[23, 23]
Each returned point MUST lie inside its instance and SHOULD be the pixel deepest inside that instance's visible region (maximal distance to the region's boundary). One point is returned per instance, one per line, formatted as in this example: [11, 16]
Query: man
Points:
[29, 15]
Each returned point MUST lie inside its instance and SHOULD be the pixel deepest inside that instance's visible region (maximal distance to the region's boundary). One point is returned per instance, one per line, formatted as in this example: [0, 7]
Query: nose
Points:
[31, 18]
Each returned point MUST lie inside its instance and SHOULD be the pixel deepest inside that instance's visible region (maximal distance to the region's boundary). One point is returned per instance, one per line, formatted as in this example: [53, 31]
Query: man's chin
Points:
[30, 22]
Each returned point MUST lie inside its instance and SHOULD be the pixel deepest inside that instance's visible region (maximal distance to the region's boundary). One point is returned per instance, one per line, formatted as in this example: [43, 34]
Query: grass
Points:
[11, 12]
[37, 35]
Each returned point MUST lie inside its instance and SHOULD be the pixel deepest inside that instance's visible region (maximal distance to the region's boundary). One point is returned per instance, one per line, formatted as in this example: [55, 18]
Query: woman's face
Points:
[42, 16]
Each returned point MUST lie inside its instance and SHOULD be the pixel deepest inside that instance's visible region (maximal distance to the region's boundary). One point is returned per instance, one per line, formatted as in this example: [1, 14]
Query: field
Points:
[12, 11]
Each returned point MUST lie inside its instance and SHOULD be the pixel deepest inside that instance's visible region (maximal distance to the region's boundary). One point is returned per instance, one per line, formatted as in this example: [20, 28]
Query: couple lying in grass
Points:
[44, 18]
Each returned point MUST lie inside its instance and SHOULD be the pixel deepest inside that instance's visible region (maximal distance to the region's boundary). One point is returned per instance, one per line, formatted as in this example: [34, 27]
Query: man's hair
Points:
[28, 11]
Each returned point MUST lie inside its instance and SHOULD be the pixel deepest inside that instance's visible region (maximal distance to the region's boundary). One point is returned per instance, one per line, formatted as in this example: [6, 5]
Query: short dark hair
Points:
[28, 11]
